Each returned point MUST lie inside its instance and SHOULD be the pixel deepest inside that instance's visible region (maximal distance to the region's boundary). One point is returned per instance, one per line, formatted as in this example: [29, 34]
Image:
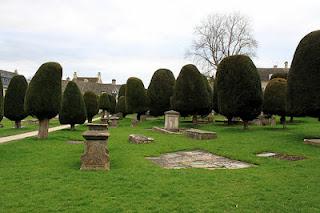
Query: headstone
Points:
[97, 127]
[171, 121]
[143, 118]
[134, 122]
[96, 154]
[200, 134]
[139, 139]
[273, 121]
[114, 121]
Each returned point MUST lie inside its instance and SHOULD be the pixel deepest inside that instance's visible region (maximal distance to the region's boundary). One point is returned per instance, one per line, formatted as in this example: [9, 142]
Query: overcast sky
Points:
[121, 39]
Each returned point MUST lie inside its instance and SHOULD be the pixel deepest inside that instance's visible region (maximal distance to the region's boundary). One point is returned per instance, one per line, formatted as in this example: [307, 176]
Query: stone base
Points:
[166, 131]
[200, 134]
[97, 127]
[312, 141]
[104, 120]
[96, 156]
[139, 139]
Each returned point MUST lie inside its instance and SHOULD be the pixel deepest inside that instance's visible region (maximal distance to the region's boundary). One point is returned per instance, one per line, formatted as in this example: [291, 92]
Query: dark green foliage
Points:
[304, 78]
[14, 99]
[136, 97]
[275, 97]
[191, 93]
[113, 104]
[1, 99]
[121, 105]
[238, 88]
[279, 75]
[104, 102]
[92, 105]
[159, 91]
[73, 109]
[43, 96]
[207, 108]
[215, 106]
[122, 91]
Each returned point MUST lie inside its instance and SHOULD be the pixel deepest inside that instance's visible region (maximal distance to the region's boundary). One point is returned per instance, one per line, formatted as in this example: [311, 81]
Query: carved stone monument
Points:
[97, 127]
[171, 122]
[114, 121]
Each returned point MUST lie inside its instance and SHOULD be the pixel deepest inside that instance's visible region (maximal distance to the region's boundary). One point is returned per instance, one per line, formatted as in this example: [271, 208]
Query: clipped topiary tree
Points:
[113, 104]
[136, 97]
[275, 99]
[215, 106]
[159, 91]
[122, 91]
[190, 94]
[207, 109]
[43, 96]
[104, 104]
[279, 75]
[304, 78]
[1, 100]
[73, 109]
[14, 100]
[92, 105]
[121, 106]
[239, 89]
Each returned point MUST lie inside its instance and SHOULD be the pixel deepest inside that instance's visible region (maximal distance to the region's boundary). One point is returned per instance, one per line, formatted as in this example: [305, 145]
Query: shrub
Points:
[136, 98]
[1, 99]
[122, 91]
[104, 104]
[73, 109]
[304, 78]
[113, 104]
[92, 105]
[159, 91]
[238, 88]
[190, 94]
[275, 98]
[14, 100]
[215, 106]
[121, 106]
[43, 96]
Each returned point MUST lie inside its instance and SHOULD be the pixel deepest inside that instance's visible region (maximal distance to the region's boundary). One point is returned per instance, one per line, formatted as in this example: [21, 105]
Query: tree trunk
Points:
[195, 119]
[17, 124]
[138, 116]
[43, 128]
[72, 127]
[283, 121]
[245, 125]
[89, 120]
[291, 119]
[229, 120]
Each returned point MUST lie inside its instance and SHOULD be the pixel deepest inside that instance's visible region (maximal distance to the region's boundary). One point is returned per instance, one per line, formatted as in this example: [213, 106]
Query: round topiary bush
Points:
[92, 105]
[43, 96]
[121, 106]
[190, 94]
[159, 91]
[304, 78]
[14, 100]
[104, 104]
[275, 98]
[73, 109]
[239, 88]
[136, 97]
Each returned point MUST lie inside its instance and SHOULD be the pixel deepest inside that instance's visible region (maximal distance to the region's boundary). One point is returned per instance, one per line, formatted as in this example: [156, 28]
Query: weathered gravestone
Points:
[139, 139]
[97, 127]
[171, 121]
[114, 121]
[200, 134]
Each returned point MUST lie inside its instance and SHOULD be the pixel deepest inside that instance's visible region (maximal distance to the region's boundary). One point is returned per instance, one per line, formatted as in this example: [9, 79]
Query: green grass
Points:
[8, 126]
[44, 176]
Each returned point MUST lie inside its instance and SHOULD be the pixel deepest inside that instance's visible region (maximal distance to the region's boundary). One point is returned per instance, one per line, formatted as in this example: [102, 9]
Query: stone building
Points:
[266, 73]
[93, 84]
[6, 77]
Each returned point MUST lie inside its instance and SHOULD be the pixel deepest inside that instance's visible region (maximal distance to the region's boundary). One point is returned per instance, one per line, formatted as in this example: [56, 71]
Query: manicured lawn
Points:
[8, 126]
[44, 176]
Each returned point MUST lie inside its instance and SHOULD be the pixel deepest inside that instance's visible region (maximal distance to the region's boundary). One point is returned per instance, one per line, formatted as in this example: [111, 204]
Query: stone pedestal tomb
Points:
[171, 122]
[114, 121]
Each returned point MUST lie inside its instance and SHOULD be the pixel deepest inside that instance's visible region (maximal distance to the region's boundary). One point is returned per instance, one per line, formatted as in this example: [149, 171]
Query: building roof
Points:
[265, 73]
[6, 77]
[88, 79]
[97, 88]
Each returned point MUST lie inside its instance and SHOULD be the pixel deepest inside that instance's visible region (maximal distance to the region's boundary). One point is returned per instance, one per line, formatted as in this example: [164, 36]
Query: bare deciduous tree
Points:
[221, 35]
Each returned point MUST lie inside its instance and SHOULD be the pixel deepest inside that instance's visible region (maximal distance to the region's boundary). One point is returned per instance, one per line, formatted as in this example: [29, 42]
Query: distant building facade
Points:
[93, 84]
[266, 73]
[6, 77]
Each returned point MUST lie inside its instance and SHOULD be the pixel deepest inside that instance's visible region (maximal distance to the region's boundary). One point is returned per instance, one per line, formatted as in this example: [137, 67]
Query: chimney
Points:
[68, 79]
[113, 81]
[16, 71]
[275, 66]
[286, 64]
[99, 78]
[75, 76]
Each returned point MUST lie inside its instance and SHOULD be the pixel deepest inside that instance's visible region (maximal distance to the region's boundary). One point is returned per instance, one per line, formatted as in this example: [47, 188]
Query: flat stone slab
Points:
[266, 154]
[162, 130]
[312, 141]
[197, 159]
[280, 156]
[95, 135]
[200, 134]
[139, 139]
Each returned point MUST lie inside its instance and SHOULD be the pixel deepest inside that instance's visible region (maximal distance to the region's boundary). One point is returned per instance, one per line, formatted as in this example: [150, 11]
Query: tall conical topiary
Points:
[206, 109]
[104, 104]
[159, 91]
[73, 109]
[275, 98]
[1, 99]
[121, 106]
[190, 94]
[113, 104]
[136, 97]
[92, 105]
[304, 78]
[239, 88]
[14, 100]
[43, 96]
[122, 91]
